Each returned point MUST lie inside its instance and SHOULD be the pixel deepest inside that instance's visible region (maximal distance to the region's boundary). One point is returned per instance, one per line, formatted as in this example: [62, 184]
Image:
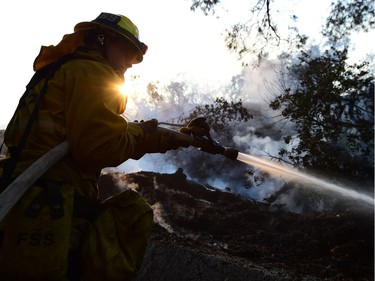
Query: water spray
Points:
[196, 133]
[293, 174]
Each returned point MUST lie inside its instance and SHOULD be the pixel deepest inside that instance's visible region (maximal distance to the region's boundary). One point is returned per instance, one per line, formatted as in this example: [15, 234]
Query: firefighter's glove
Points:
[153, 141]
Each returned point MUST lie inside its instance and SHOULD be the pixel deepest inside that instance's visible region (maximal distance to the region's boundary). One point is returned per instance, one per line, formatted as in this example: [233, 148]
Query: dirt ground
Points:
[202, 233]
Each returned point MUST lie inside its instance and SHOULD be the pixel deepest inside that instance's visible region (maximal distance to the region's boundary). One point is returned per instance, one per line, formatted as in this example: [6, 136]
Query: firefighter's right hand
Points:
[153, 141]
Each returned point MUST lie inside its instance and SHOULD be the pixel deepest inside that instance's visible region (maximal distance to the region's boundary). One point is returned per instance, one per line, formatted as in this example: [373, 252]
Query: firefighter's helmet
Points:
[121, 25]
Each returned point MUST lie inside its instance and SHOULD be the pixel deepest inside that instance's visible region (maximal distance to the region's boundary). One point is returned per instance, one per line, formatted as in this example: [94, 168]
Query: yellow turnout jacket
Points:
[82, 104]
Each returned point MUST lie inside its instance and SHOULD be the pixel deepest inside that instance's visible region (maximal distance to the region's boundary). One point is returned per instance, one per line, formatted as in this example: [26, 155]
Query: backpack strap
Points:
[46, 72]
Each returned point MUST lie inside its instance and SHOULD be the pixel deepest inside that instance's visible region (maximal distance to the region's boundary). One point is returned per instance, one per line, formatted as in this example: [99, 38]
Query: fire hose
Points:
[14, 191]
[203, 144]
[10, 196]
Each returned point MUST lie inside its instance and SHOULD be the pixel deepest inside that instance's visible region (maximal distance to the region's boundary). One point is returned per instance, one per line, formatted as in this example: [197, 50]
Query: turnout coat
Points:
[82, 104]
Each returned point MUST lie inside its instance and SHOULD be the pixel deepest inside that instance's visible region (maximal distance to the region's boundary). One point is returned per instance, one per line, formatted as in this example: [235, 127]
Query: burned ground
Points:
[202, 233]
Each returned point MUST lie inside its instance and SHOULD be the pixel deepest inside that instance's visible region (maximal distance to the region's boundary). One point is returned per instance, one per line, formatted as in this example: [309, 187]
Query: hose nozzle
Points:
[199, 137]
[215, 148]
[230, 153]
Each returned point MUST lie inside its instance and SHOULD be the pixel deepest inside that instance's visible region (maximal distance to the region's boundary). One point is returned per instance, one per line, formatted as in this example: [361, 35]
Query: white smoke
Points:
[150, 162]
[253, 137]
[159, 215]
[262, 136]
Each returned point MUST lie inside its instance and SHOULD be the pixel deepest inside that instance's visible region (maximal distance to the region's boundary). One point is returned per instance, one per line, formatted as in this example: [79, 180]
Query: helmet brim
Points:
[92, 25]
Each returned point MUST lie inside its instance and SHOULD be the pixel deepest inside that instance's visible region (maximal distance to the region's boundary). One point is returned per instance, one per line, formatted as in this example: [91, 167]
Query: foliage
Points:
[205, 5]
[154, 96]
[260, 23]
[153, 93]
[332, 105]
[221, 115]
[330, 102]
[348, 16]
[256, 34]
[260, 31]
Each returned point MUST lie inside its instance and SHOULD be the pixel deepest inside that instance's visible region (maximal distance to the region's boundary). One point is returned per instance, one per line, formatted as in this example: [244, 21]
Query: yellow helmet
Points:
[121, 25]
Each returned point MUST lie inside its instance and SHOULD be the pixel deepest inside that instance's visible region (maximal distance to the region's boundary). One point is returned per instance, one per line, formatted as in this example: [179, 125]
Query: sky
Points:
[181, 42]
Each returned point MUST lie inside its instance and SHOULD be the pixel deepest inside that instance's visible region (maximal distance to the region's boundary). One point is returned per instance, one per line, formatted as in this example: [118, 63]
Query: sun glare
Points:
[126, 90]
[123, 89]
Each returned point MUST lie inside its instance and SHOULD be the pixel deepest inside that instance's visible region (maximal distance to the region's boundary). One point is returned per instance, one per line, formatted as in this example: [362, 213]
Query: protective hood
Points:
[50, 54]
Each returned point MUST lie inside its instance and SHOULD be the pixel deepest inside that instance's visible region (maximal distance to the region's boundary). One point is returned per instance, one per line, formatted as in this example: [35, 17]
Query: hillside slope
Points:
[201, 233]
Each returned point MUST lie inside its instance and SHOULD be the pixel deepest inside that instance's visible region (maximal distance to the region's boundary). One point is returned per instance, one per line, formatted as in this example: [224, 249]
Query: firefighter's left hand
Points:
[153, 141]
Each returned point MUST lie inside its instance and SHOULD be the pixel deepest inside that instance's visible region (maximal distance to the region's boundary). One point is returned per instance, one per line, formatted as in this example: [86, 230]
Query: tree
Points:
[221, 116]
[332, 105]
[348, 16]
[205, 5]
[330, 101]
[260, 30]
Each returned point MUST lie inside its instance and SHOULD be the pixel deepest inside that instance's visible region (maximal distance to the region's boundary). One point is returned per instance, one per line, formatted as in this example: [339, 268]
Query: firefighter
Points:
[59, 230]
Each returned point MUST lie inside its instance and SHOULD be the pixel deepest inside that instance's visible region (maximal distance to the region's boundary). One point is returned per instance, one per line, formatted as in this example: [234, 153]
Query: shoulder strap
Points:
[46, 72]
